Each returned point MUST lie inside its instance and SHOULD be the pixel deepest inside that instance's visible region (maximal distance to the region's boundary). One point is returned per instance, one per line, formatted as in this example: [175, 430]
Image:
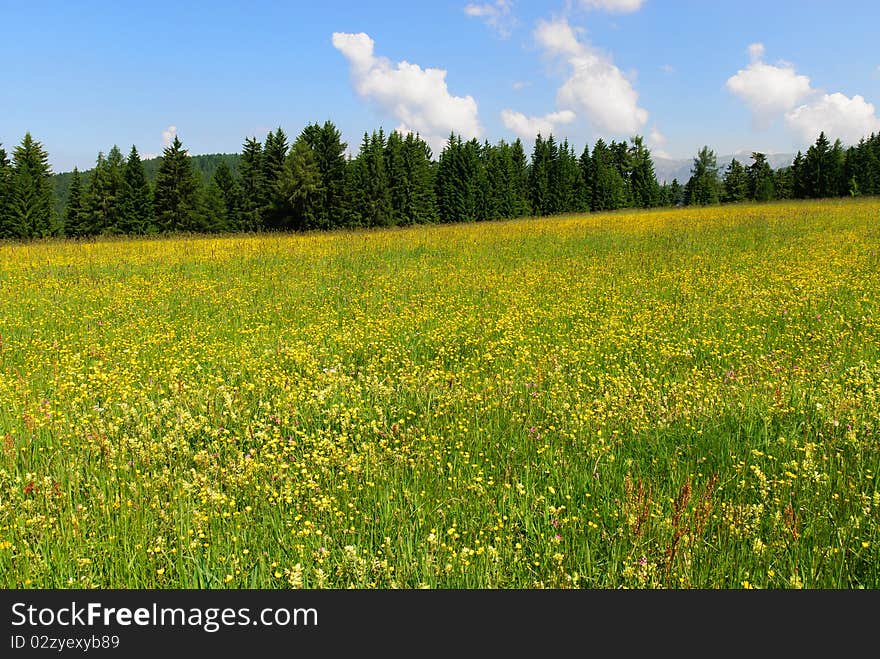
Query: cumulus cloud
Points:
[595, 88]
[771, 90]
[766, 88]
[497, 15]
[528, 127]
[657, 142]
[614, 6]
[168, 135]
[417, 97]
[840, 116]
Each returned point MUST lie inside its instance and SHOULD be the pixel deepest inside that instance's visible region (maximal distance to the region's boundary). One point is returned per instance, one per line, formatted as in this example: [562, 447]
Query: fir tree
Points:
[31, 210]
[300, 186]
[76, 213]
[609, 187]
[736, 183]
[136, 204]
[329, 153]
[644, 188]
[274, 154]
[760, 177]
[703, 187]
[229, 192]
[253, 185]
[5, 194]
[176, 198]
[519, 179]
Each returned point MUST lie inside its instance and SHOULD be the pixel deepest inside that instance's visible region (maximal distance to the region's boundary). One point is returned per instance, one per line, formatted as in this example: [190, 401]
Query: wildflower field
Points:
[678, 398]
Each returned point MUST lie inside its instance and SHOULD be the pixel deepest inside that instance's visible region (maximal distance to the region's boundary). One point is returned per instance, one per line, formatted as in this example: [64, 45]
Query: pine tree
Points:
[420, 204]
[253, 185]
[372, 193]
[300, 186]
[520, 179]
[229, 192]
[760, 177]
[176, 197]
[76, 213]
[736, 183]
[800, 185]
[499, 192]
[274, 154]
[643, 181]
[5, 194]
[539, 175]
[585, 165]
[703, 187]
[136, 204]
[31, 211]
[329, 152]
[609, 187]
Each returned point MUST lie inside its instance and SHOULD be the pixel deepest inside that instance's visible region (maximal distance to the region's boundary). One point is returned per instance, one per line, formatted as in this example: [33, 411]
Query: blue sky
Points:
[736, 76]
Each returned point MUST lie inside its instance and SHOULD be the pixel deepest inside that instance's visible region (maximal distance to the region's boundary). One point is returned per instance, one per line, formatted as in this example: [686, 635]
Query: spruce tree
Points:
[372, 192]
[136, 204]
[274, 154]
[643, 181]
[5, 194]
[499, 192]
[253, 185]
[760, 178]
[76, 213]
[736, 183]
[300, 186]
[420, 203]
[31, 211]
[230, 195]
[539, 175]
[703, 187]
[609, 186]
[176, 197]
[585, 194]
[520, 179]
[329, 153]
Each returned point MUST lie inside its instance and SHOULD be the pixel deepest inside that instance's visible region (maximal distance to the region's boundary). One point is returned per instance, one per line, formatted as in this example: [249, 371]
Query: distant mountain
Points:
[668, 168]
[205, 165]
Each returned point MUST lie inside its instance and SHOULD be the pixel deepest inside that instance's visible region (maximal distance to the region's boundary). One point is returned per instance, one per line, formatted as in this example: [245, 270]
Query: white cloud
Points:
[657, 140]
[496, 15]
[528, 127]
[417, 97]
[768, 89]
[596, 88]
[615, 6]
[756, 51]
[520, 85]
[840, 116]
[168, 135]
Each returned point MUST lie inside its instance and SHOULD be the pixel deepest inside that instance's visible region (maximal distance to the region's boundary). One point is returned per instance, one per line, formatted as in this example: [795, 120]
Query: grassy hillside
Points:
[675, 399]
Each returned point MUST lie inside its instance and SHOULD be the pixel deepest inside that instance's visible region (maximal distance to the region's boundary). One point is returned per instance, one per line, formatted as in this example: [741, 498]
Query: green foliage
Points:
[760, 177]
[736, 183]
[30, 212]
[371, 192]
[177, 197]
[328, 150]
[299, 187]
[253, 185]
[644, 188]
[703, 188]
[136, 203]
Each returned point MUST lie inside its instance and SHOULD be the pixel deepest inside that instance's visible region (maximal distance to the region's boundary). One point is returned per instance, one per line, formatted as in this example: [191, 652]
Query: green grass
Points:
[673, 399]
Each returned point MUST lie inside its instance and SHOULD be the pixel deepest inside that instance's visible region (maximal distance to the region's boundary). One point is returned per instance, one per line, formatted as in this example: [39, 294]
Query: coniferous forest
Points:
[311, 183]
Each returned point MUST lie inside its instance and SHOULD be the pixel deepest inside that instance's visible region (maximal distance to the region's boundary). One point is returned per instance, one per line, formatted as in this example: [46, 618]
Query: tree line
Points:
[394, 180]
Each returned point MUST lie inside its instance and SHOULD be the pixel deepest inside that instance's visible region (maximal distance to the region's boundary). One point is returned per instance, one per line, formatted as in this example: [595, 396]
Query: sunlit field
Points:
[672, 399]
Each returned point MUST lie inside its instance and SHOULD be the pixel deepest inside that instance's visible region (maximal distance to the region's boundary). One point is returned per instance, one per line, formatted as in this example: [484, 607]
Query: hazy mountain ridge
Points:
[667, 169]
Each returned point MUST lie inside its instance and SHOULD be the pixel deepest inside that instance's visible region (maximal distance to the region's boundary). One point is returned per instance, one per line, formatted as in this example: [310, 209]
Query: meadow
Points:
[681, 398]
